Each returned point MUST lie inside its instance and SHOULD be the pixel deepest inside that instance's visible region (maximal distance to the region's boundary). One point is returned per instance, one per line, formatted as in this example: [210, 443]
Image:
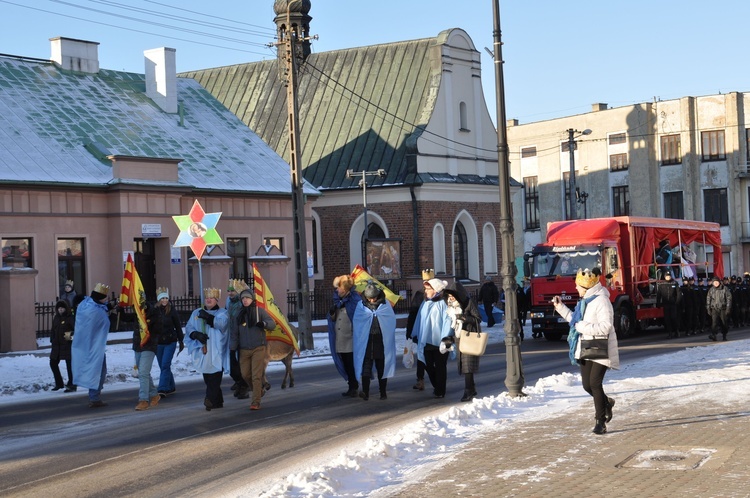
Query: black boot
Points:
[365, 394]
[712, 336]
[608, 409]
[382, 383]
[600, 427]
[468, 395]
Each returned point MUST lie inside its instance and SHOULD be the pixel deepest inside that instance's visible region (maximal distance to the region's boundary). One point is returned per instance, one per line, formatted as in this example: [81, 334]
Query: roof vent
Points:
[599, 106]
[75, 55]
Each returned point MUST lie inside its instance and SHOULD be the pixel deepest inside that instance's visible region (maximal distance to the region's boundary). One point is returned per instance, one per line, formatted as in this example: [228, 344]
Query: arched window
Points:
[489, 241]
[460, 252]
[438, 249]
[463, 120]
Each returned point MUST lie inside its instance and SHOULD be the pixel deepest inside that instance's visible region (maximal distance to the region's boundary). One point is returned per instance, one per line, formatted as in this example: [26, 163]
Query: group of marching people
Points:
[362, 330]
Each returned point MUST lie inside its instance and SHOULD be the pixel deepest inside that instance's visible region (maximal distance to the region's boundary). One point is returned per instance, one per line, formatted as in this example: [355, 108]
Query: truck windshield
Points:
[547, 264]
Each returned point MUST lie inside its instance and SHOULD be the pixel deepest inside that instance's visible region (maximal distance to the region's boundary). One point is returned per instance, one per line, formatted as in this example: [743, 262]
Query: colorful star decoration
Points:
[197, 230]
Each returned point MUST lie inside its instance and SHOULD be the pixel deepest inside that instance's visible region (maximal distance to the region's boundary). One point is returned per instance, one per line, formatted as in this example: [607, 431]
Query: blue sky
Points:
[560, 57]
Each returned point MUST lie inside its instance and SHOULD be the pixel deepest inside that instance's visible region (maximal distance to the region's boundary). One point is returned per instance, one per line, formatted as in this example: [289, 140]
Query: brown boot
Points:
[155, 400]
[419, 386]
[142, 405]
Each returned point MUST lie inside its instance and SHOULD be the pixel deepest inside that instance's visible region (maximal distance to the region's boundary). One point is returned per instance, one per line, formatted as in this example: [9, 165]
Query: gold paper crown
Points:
[212, 292]
[428, 274]
[586, 279]
[102, 289]
[240, 285]
[69, 282]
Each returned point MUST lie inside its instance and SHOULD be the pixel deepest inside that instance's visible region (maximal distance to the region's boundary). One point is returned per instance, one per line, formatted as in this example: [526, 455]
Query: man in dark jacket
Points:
[61, 339]
[719, 305]
[249, 338]
[669, 297]
[489, 295]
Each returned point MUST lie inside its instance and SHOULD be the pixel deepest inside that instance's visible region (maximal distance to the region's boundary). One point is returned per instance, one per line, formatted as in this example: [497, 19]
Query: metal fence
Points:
[122, 321]
[321, 300]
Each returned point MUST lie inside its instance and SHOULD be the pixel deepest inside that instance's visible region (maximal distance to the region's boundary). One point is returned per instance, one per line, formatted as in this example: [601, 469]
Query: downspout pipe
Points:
[415, 229]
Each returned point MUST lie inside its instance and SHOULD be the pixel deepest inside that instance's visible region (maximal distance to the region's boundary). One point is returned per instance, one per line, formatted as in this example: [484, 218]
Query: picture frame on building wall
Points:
[383, 258]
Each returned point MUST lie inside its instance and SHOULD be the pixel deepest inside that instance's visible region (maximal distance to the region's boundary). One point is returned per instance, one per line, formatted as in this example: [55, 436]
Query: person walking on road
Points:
[145, 352]
[433, 328]
[593, 317]
[374, 339]
[90, 344]
[416, 302]
[233, 307]
[208, 345]
[340, 331]
[718, 305]
[249, 340]
[461, 308]
[61, 340]
[171, 334]
[489, 295]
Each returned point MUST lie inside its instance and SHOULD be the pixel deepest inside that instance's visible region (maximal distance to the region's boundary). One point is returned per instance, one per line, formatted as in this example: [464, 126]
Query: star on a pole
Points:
[197, 229]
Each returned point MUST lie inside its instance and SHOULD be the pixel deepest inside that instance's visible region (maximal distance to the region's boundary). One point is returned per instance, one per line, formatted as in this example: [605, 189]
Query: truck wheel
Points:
[624, 321]
[553, 336]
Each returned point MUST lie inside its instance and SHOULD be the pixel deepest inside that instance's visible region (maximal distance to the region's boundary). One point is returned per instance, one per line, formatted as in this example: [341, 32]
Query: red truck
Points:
[627, 249]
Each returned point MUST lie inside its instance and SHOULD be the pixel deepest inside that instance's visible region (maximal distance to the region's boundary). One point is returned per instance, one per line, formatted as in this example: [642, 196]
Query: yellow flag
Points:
[361, 277]
[132, 294]
[264, 299]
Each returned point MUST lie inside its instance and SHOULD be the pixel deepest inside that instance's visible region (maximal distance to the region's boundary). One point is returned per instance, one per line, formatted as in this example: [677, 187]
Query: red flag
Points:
[264, 299]
[132, 294]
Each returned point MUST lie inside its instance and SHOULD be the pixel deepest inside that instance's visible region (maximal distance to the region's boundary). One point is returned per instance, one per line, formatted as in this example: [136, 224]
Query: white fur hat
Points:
[437, 284]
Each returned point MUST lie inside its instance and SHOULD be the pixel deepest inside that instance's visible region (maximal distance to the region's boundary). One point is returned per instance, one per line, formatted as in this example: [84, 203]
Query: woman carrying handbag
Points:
[592, 320]
[465, 317]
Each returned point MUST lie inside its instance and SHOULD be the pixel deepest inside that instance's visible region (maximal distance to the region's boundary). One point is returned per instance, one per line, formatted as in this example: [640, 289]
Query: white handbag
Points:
[472, 343]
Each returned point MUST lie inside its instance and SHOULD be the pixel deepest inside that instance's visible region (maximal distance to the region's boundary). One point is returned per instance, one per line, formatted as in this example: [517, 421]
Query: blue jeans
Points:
[164, 355]
[147, 389]
[95, 394]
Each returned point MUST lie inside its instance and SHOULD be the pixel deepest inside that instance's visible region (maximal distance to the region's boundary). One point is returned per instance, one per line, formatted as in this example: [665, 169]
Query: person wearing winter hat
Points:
[61, 339]
[88, 349]
[463, 309]
[340, 331]
[593, 317]
[431, 328]
[233, 307]
[374, 340]
[249, 340]
[171, 334]
[719, 305]
[68, 293]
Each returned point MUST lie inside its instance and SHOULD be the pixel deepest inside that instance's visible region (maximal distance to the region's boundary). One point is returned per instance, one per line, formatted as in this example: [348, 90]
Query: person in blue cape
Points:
[90, 344]
[433, 328]
[208, 345]
[340, 338]
[374, 340]
[593, 317]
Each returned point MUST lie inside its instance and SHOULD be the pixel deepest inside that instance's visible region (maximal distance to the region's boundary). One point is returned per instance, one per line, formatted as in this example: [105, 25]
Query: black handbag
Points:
[594, 349]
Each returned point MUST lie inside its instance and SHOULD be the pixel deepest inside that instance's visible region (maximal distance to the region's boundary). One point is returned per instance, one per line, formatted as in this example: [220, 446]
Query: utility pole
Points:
[289, 37]
[514, 379]
[572, 189]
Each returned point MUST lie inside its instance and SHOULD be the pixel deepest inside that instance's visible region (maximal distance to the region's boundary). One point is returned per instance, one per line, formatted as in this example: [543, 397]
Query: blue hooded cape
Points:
[89, 343]
[362, 323]
[217, 357]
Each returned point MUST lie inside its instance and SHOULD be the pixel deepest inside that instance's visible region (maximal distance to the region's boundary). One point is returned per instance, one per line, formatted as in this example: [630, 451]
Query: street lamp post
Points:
[572, 182]
[363, 183]
[514, 379]
[582, 197]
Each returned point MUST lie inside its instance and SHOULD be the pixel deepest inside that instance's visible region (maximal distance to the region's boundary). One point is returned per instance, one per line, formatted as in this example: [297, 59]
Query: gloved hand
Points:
[261, 324]
[332, 311]
[446, 344]
[68, 336]
[208, 317]
[199, 336]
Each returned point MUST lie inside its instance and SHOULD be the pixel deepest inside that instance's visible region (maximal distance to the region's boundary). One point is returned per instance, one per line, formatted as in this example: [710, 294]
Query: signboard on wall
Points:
[383, 258]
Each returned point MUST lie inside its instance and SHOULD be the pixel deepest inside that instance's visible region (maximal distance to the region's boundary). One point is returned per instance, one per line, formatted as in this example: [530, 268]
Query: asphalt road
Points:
[59, 448]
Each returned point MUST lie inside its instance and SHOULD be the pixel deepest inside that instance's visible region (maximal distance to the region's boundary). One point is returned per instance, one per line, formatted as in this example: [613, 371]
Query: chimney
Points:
[75, 55]
[598, 107]
[161, 78]
[510, 123]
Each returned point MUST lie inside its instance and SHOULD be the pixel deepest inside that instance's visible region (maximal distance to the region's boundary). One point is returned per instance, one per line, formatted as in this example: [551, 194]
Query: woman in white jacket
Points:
[593, 317]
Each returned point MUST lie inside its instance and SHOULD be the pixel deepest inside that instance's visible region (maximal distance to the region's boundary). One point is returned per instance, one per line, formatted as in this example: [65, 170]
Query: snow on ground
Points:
[388, 460]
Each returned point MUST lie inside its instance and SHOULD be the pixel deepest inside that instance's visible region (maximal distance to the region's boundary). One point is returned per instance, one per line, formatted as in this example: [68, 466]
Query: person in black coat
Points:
[669, 297]
[171, 334]
[489, 295]
[416, 302]
[462, 307]
[61, 339]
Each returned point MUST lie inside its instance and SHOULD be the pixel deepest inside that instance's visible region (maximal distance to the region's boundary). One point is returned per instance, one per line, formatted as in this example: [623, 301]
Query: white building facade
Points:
[685, 158]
